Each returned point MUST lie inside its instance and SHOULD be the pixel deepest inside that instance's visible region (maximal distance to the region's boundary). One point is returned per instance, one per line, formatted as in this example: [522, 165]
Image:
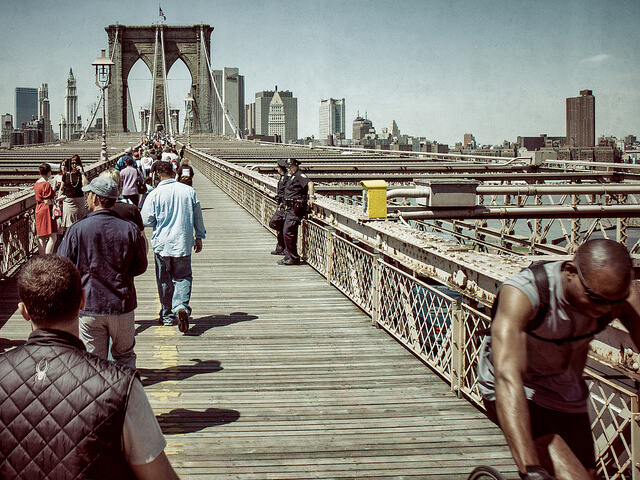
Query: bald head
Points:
[606, 265]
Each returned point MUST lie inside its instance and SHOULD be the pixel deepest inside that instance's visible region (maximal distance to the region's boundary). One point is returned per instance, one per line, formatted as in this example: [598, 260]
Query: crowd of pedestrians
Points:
[81, 302]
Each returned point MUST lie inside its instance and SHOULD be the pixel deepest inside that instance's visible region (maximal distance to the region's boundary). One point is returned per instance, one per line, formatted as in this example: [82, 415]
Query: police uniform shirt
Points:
[296, 187]
[282, 183]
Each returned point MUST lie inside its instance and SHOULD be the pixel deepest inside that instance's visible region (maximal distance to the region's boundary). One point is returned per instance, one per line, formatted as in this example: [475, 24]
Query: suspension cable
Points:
[167, 119]
[224, 107]
[152, 110]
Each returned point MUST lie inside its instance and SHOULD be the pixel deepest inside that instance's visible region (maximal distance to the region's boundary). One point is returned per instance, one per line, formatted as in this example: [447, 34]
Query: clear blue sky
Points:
[440, 68]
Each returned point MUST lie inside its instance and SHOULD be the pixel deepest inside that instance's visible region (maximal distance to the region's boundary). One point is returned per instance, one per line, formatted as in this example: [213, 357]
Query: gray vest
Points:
[61, 411]
[553, 377]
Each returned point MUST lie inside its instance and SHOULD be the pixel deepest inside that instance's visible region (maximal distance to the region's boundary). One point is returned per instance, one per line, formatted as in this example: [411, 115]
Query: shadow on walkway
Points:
[6, 344]
[9, 300]
[151, 376]
[197, 326]
[181, 420]
[202, 324]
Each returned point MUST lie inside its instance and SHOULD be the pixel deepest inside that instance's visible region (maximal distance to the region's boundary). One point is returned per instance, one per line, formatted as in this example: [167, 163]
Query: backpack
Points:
[542, 284]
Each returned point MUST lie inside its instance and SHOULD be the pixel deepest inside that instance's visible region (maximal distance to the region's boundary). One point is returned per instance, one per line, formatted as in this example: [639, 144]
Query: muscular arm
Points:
[509, 349]
[630, 315]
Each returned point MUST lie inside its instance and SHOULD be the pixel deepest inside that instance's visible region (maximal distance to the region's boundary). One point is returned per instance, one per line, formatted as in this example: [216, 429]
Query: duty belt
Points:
[295, 201]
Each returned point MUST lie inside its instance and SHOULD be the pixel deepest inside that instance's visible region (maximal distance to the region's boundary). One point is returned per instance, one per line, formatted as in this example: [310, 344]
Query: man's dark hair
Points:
[51, 289]
[129, 161]
[107, 202]
[164, 169]
[44, 169]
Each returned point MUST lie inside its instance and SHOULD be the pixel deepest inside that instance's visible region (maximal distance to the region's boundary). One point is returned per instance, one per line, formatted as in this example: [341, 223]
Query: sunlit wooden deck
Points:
[281, 377]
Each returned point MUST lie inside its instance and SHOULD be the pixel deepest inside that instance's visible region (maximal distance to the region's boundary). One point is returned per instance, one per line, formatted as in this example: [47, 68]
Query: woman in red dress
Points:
[46, 226]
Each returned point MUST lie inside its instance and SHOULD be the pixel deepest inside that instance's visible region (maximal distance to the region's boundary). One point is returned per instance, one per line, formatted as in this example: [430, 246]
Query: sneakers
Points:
[276, 252]
[287, 261]
[183, 320]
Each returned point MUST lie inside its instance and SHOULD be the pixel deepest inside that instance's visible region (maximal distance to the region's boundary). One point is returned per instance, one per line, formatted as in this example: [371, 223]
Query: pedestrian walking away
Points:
[66, 413]
[109, 252]
[530, 370]
[125, 208]
[298, 197]
[173, 210]
[185, 172]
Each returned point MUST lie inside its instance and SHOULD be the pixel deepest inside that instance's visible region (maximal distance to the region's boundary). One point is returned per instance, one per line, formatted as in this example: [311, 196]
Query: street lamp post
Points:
[103, 66]
[188, 106]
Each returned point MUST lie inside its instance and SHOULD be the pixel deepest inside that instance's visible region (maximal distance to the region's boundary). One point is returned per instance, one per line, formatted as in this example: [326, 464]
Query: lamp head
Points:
[103, 66]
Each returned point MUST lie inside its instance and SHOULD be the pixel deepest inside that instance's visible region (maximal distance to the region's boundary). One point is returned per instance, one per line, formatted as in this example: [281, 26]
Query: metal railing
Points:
[439, 325]
[18, 239]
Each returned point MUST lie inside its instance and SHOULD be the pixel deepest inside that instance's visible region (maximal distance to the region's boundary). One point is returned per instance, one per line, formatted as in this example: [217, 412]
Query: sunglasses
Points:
[593, 296]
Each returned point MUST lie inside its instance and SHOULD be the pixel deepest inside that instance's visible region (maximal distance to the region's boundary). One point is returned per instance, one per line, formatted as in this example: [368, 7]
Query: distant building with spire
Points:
[71, 123]
[263, 111]
[283, 118]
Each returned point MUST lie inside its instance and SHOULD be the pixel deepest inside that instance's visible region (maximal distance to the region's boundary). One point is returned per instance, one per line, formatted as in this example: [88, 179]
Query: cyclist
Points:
[531, 366]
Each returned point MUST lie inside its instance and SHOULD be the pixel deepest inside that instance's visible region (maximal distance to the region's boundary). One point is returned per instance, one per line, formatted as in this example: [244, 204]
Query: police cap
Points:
[292, 161]
[282, 163]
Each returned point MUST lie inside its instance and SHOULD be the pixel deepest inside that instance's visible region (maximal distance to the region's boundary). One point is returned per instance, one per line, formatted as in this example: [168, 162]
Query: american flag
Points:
[162, 14]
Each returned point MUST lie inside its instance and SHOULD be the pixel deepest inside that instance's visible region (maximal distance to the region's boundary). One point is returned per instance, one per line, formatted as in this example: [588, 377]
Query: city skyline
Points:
[439, 69]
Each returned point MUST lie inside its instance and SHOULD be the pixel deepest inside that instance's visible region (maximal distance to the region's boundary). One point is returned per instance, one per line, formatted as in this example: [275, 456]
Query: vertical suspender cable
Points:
[167, 119]
[224, 108]
[152, 110]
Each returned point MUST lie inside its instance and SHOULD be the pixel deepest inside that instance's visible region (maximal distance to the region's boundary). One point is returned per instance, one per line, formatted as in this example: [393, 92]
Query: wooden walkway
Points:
[282, 377]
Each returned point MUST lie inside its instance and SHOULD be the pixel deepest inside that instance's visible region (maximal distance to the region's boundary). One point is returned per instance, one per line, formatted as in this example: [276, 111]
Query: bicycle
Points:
[484, 472]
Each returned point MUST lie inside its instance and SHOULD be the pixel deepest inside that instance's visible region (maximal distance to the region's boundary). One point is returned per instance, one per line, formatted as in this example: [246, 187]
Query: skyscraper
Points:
[230, 85]
[361, 127]
[44, 112]
[26, 105]
[290, 104]
[71, 123]
[331, 118]
[283, 118]
[581, 120]
[7, 128]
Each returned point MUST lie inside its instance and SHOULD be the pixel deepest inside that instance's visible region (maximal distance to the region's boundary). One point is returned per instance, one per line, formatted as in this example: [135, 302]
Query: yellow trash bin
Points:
[374, 198]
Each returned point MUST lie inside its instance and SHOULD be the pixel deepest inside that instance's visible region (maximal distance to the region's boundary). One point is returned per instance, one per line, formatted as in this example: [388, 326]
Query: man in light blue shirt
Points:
[174, 212]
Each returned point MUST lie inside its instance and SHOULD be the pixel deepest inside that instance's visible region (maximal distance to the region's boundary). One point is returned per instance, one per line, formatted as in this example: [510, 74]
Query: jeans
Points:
[95, 331]
[173, 275]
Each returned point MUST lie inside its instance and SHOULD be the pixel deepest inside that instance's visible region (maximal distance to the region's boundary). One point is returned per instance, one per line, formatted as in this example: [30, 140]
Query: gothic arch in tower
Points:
[152, 44]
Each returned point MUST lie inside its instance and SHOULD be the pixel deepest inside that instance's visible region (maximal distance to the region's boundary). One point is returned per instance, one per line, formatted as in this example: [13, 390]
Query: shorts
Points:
[573, 428]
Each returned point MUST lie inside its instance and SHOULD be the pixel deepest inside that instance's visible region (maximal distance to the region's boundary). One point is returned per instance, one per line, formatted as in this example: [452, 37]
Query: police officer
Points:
[298, 194]
[277, 220]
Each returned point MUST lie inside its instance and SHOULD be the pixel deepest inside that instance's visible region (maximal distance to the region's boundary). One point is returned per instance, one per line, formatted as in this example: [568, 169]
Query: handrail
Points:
[17, 222]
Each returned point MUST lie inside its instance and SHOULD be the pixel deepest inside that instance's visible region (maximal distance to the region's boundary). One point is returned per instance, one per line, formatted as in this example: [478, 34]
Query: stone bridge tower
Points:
[153, 44]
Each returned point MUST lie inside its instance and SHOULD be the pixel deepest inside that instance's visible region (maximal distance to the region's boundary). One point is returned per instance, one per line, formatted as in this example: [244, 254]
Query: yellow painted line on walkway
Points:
[166, 356]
